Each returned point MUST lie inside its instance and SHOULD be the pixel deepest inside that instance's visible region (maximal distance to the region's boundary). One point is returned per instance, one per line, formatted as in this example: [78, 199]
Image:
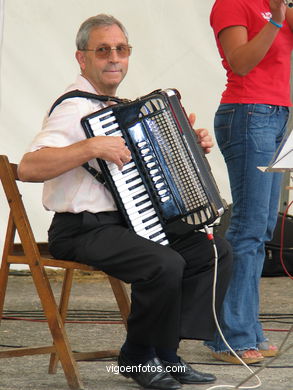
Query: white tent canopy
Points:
[173, 46]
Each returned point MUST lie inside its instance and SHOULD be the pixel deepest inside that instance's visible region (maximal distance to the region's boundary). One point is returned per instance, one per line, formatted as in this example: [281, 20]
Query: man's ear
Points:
[80, 56]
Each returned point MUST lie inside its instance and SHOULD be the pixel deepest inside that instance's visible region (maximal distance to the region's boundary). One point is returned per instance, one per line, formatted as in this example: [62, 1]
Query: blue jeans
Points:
[248, 136]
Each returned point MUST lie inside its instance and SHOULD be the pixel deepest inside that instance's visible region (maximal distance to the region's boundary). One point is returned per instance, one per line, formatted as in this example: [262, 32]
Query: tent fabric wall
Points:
[173, 46]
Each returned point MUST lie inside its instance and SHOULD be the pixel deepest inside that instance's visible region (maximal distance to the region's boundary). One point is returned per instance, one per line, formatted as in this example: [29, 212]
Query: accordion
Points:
[168, 177]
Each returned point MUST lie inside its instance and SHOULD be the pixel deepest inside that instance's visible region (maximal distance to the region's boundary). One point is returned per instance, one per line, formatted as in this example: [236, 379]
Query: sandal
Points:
[230, 358]
[267, 350]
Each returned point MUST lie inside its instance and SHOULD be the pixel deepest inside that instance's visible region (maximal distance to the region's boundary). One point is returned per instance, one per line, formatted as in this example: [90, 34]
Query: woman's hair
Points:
[100, 20]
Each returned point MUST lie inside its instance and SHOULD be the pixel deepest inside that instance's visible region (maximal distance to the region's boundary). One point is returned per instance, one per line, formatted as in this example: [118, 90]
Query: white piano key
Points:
[141, 207]
[157, 237]
[99, 119]
[152, 231]
[138, 224]
[133, 192]
[138, 196]
[126, 187]
[162, 240]
[142, 226]
[120, 178]
[131, 204]
[141, 199]
[148, 215]
[114, 169]
[148, 233]
[134, 196]
[104, 121]
[111, 128]
[115, 134]
[137, 218]
[95, 123]
[97, 129]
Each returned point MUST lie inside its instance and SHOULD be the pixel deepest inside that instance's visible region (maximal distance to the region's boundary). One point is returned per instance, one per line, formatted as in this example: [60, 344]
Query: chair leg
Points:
[122, 298]
[56, 326]
[63, 307]
[4, 269]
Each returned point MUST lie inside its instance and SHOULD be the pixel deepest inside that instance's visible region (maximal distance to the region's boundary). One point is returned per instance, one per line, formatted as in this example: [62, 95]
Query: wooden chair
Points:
[32, 255]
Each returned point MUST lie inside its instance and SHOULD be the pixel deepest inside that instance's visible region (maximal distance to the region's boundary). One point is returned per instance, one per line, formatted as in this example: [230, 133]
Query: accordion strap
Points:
[81, 94]
[88, 95]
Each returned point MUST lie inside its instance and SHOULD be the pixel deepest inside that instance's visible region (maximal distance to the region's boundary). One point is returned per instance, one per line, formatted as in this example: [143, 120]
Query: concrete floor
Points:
[30, 373]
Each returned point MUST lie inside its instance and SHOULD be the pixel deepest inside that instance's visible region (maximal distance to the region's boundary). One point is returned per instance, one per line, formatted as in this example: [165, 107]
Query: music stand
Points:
[283, 158]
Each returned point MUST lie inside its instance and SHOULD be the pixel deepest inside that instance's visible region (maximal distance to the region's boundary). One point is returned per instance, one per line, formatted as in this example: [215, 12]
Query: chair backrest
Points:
[18, 219]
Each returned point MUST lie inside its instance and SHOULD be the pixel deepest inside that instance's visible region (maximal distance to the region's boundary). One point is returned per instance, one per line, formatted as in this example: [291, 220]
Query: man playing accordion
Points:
[171, 285]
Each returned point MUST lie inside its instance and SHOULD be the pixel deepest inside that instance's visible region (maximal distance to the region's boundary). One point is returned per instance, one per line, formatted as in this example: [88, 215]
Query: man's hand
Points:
[204, 138]
[50, 162]
[112, 149]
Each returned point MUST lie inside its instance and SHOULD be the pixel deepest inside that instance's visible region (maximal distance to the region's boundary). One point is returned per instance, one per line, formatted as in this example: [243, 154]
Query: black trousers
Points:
[171, 287]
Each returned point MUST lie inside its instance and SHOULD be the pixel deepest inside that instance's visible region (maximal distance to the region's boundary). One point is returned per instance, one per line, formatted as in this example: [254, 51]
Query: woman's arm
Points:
[289, 17]
[243, 55]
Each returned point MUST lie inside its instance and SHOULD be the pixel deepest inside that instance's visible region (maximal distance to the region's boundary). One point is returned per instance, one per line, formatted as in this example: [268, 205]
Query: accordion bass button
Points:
[162, 192]
[144, 151]
[154, 171]
[141, 144]
[156, 178]
[151, 165]
[148, 158]
[159, 185]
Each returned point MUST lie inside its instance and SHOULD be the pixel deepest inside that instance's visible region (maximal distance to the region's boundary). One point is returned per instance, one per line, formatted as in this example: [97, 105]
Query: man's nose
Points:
[113, 56]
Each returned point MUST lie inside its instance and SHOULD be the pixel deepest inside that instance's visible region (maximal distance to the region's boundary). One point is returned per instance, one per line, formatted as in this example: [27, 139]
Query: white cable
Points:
[209, 234]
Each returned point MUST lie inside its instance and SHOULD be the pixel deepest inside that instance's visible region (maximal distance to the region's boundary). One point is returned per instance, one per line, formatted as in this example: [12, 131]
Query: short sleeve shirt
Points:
[76, 190]
[269, 81]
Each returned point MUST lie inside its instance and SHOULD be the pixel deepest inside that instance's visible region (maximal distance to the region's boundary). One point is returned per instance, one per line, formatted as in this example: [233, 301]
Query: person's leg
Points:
[262, 341]
[197, 319]
[247, 137]
[154, 271]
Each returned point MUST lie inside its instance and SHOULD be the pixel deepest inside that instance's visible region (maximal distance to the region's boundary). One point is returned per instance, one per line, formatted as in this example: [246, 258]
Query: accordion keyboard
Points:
[130, 188]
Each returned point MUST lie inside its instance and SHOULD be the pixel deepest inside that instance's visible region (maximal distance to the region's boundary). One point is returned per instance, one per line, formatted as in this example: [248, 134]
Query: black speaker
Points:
[272, 265]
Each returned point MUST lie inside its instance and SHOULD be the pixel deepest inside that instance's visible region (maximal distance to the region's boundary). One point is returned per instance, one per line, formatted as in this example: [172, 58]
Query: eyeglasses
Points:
[104, 52]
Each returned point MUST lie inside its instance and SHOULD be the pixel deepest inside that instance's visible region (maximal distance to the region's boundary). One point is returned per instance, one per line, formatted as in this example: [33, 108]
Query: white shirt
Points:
[76, 190]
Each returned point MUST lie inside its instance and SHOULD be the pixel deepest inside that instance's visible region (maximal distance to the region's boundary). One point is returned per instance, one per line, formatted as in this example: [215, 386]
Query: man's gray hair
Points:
[86, 27]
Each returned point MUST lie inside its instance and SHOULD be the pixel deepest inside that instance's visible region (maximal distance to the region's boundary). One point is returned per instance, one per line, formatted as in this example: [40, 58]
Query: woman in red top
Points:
[255, 41]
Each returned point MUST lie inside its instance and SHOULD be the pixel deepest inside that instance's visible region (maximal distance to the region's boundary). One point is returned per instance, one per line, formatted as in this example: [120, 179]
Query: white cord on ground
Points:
[210, 237]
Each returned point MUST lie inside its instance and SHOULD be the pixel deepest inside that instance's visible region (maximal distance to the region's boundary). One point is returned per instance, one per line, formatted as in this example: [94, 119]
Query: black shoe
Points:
[185, 374]
[151, 375]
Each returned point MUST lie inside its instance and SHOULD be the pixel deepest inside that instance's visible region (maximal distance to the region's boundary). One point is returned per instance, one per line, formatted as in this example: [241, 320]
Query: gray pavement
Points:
[92, 295]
